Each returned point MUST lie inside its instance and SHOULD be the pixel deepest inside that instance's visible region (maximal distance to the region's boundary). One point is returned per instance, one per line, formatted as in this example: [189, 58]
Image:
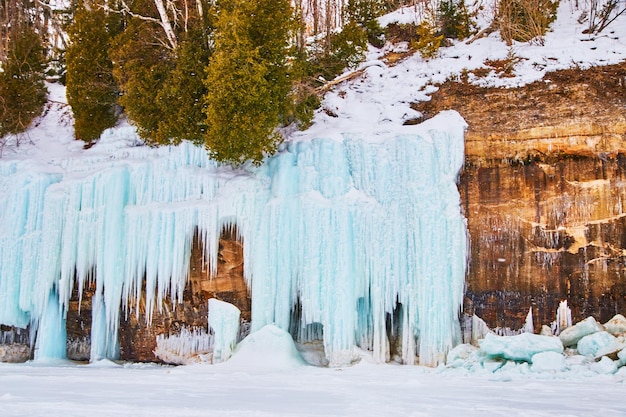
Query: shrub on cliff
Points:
[91, 89]
[141, 66]
[181, 98]
[247, 80]
[22, 88]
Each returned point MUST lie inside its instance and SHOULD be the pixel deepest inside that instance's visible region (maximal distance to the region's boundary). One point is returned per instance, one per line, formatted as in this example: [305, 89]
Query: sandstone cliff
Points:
[544, 193]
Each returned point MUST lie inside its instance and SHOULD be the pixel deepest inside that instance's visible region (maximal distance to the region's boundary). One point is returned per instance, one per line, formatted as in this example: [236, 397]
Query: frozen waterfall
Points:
[355, 230]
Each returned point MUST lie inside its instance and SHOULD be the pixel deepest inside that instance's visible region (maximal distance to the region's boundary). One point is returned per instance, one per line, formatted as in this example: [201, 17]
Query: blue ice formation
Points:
[224, 321]
[357, 231]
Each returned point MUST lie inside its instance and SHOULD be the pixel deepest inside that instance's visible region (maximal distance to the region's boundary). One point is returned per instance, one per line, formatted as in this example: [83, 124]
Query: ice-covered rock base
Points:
[346, 230]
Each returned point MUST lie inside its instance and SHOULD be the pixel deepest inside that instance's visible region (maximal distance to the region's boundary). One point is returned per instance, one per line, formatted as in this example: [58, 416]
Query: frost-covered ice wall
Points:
[350, 229]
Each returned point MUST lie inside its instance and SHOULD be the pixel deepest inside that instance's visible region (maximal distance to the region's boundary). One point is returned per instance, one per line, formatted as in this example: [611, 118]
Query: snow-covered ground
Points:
[106, 390]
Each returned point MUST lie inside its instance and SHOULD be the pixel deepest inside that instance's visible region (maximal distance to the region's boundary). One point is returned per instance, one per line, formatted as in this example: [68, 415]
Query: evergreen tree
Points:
[91, 89]
[247, 79]
[364, 14]
[181, 100]
[141, 66]
[455, 19]
[22, 88]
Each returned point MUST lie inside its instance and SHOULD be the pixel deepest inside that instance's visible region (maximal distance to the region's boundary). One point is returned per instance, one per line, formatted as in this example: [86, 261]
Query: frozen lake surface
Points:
[106, 389]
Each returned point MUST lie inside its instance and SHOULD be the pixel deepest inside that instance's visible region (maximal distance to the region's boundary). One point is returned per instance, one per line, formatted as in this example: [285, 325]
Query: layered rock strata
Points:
[544, 191]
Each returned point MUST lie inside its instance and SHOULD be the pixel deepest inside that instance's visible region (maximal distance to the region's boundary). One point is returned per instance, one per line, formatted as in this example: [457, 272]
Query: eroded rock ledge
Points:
[544, 192]
[571, 112]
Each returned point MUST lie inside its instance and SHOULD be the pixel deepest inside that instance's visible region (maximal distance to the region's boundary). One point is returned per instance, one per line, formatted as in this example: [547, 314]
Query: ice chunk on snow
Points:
[612, 349]
[521, 347]
[605, 366]
[622, 356]
[591, 344]
[460, 354]
[224, 320]
[616, 326]
[548, 361]
[572, 335]
[269, 348]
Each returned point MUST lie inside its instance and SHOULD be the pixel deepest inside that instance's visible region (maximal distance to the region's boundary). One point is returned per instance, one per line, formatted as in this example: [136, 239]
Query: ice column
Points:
[51, 337]
[224, 320]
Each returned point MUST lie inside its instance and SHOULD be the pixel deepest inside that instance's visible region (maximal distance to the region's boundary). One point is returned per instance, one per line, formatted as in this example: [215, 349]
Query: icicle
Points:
[189, 346]
[563, 318]
[479, 330]
[51, 336]
[529, 327]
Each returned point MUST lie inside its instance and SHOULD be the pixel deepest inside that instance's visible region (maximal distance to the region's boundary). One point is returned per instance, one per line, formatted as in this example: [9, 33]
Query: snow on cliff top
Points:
[377, 102]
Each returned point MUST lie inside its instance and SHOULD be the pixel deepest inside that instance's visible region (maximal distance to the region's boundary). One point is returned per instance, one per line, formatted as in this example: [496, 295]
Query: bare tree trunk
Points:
[328, 28]
[4, 21]
[316, 17]
[165, 23]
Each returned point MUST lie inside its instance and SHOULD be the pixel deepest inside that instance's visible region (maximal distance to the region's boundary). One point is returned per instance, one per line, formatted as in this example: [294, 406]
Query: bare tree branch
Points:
[164, 22]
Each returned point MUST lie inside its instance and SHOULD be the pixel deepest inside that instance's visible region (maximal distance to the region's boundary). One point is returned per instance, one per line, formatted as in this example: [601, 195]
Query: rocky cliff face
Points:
[138, 339]
[544, 193]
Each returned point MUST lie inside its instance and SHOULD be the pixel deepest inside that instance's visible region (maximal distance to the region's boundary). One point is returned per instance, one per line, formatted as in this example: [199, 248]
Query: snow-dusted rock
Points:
[460, 354]
[548, 361]
[14, 353]
[617, 325]
[572, 335]
[622, 356]
[546, 331]
[521, 347]
[605, 366]
[591, 344]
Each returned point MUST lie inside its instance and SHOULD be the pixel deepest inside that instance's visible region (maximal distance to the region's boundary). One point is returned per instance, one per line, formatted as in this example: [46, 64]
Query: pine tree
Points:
[91, 89]
[364, 14]
[22, 88]
[181, 99]
[141, 66]
[247, 80]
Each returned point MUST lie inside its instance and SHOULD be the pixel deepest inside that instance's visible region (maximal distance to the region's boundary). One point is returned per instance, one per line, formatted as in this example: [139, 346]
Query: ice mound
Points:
[572, 335]
[521, 347]
[269, 348]
[548, 361]
[592, 344]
